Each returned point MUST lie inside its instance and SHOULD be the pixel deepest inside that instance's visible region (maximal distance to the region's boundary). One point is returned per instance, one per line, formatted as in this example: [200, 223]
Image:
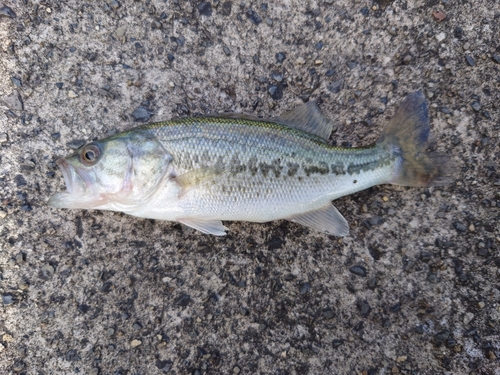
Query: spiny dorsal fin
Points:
[307, 117]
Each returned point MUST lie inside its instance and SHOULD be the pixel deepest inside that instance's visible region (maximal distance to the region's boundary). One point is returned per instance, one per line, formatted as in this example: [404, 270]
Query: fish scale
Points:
[275, 148]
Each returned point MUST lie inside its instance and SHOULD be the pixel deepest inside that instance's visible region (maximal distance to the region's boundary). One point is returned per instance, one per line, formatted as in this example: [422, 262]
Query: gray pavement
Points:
[414, 288]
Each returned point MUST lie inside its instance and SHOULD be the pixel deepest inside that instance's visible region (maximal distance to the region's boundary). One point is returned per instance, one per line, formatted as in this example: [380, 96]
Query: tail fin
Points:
[408, 131]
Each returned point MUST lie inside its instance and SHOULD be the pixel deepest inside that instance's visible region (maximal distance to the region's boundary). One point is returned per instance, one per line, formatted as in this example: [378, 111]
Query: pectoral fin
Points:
[214, 227]
[327, 219]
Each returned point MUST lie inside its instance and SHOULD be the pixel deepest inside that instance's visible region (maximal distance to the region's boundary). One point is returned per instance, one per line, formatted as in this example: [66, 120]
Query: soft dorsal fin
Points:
[307, 117]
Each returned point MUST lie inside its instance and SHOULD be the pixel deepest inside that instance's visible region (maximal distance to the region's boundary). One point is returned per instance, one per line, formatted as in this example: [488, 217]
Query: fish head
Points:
[118, 173]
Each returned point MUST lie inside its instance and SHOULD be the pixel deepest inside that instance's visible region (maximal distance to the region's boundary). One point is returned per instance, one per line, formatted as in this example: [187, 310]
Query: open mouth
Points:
[75, 187]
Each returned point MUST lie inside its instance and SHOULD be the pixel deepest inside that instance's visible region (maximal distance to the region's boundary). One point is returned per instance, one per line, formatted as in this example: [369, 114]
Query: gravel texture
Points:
[414, 289]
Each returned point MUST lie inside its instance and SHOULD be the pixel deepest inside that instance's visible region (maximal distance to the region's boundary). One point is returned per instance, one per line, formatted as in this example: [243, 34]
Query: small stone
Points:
[459, 227]
[115, 4]
[470, 60]
[276, 91]
[72, 94]
[14, 101]
[476, 106]
[3, 137]
[135, 343]
[3, 214]
[7, 338]
[337, 342]
[236, 370]
[318, 62]
[438, 15]
[330, 72]
[205, 9]
[336, 86]
[254, 17]
[280, 57]
[328, 313]
[110, 331]
[364, 308]
[385, 198]
[164, 366]
[94, 371]
[48, 10]
[329, 1]
[226, 50]
[269, 21]
[47, 270]
[440, 37]
[358, 270]
[305, 288]
[120, 31]
[142, 114]
[16, 81]
[7, 299]
[496, 58]
[468, 317]
[401, 358]
[300, 61]
[481, 304]
[6, 11]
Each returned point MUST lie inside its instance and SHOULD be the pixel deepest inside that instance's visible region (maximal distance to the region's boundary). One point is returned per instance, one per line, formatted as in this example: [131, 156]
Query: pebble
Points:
[94, 371]
[120, 31]
[14, 101]
[142, 114]
[280, 57]
[6, 11]
[364, 308]
[47, 270]
[164, 366]
[300, 61]
[226, 50]
[476, 106]
[401, 358]
[277, 76]
[3, 214]
[269, 21]
[330, 72]
[254, 17]
[3, 137]
[16, 81]
[135, 343]
[358, 270]
[72, 94]
[328, 313]
[496, 58]
[336, 86]
[205, 9]
[468, 317]
[439, 15]
[337, 342]
[7, 299]
[440, 37]
[481, 304]
[276, 91]
[236, 370]
[470, 60]
[304, 288]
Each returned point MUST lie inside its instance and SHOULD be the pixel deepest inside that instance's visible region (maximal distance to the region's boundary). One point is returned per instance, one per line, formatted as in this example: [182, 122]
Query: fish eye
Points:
[90, 154]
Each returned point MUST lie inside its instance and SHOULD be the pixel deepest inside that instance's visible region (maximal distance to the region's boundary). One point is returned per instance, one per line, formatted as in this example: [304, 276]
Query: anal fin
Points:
[214, 227]
[326, 219]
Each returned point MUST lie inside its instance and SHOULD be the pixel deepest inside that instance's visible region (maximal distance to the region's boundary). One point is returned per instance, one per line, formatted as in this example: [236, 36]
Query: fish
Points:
[203, 170]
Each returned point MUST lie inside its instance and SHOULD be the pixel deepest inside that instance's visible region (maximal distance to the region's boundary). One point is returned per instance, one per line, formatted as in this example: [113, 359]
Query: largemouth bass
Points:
[200, 171]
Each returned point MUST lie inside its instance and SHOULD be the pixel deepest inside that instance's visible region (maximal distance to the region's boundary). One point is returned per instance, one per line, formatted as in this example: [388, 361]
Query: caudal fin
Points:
[408, 132]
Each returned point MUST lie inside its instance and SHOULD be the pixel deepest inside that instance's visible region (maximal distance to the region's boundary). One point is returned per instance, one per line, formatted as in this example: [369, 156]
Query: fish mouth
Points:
[77, 194]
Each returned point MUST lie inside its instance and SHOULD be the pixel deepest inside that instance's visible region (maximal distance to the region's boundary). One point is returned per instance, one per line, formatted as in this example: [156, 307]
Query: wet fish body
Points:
[200, 171]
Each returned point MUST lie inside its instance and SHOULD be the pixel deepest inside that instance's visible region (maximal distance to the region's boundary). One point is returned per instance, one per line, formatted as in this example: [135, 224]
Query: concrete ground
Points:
[414, 289]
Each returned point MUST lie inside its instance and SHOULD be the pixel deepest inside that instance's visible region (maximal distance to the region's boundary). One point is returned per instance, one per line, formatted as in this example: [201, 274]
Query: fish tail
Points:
[407, 133]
